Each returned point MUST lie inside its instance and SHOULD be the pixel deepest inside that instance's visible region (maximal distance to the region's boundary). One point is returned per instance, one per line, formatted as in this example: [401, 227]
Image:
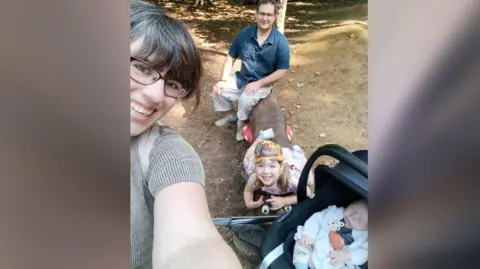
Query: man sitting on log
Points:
[265, 57]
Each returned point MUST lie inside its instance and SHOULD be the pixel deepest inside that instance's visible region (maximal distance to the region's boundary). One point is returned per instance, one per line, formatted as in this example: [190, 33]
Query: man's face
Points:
[148, 103]
[265, 16]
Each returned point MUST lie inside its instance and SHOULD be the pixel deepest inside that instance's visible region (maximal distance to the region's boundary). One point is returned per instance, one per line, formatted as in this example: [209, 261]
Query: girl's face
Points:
[268, 171]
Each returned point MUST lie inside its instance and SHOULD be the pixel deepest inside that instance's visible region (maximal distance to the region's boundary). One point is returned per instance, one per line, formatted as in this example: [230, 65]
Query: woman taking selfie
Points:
[170, 223]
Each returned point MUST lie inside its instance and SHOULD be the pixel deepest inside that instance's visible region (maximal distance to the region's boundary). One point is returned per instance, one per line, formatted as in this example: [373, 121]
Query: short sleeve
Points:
[283, 54]
[173, 160]
[251, 181]
[248, 161]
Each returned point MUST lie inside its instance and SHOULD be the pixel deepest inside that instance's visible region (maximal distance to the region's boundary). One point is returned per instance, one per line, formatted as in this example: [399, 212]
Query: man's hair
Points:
[264, 2]
[169, 43]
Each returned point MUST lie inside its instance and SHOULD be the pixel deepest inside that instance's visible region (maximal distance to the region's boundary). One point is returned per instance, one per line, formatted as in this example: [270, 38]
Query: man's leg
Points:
[223, 102]
[245, 104]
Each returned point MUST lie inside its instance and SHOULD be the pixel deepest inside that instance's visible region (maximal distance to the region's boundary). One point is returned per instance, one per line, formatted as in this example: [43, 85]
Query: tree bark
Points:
[281, 15]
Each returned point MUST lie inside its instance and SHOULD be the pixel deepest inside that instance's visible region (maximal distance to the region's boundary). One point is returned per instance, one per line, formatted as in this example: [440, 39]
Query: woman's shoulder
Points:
[160, 139]
[171, 159]
[172, 144]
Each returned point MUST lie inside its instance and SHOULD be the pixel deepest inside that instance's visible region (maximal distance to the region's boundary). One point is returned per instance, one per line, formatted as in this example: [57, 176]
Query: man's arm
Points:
[272, 78]
[226, 70]
[227, 67]
[184, 235]
[266, 81]
[233, 54]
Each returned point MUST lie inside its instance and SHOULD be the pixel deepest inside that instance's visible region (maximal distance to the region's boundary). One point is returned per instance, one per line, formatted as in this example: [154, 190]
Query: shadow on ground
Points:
[324, 96]
[217, 25]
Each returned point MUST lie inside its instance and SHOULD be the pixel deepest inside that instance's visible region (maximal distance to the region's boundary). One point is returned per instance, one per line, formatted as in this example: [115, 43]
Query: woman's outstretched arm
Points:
[184, 235]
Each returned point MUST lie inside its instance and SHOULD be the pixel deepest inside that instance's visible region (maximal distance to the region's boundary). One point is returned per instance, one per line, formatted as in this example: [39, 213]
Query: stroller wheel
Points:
[288, 208]
[265, 209]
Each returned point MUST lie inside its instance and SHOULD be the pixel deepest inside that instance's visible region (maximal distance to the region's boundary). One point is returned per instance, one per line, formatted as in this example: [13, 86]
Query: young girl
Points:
[273, 170]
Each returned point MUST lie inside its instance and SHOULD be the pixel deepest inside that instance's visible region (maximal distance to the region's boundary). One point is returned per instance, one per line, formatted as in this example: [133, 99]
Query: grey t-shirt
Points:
[158, 158]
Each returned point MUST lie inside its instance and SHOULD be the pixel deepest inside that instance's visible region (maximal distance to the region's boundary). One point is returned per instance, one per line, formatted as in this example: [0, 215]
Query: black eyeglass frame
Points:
[183, 90]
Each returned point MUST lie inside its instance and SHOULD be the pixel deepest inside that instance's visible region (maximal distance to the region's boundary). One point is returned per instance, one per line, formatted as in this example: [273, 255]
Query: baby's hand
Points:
[306, 242]
[340, 256]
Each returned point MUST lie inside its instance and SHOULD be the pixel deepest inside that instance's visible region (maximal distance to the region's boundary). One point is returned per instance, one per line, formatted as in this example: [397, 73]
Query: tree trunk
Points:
[281, 15]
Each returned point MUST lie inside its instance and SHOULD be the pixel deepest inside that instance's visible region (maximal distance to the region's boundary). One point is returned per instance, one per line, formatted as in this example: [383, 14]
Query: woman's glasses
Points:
[146, 75]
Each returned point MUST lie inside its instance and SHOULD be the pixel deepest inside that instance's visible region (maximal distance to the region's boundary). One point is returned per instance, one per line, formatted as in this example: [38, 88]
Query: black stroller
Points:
[341, 185]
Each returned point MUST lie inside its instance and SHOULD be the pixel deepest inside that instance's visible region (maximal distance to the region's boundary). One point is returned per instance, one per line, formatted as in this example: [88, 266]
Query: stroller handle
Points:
[232, 221]
[335, 151]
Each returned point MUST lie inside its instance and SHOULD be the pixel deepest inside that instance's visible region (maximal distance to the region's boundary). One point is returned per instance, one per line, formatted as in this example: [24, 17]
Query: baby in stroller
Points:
[273, 172]
[333, 238]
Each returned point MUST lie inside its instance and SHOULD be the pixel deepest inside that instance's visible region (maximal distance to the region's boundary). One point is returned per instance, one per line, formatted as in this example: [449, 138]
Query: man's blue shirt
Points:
[259, 62]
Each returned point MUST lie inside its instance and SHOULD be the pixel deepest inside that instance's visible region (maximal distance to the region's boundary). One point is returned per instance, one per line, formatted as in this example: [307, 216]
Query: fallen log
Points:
[268, 114]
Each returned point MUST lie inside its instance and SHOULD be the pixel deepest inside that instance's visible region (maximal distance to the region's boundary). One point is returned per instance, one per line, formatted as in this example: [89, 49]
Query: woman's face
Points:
[268, 171]
[148, 103]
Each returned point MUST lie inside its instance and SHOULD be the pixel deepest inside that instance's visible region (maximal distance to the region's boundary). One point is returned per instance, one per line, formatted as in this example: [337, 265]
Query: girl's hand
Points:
[306, 242]
[276, 202]
[255, 204]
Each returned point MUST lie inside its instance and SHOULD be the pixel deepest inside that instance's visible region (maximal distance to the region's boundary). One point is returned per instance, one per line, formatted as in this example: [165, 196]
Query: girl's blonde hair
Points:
[282, 181]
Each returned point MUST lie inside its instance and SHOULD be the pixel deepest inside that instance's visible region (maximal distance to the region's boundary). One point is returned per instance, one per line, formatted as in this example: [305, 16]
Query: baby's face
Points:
[356, 216]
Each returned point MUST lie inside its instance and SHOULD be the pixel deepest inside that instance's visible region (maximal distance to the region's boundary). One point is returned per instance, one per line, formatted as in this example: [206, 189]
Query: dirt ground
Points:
[324, 95]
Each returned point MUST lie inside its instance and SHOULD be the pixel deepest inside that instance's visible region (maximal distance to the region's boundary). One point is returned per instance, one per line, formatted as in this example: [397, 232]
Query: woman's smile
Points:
[141, 109]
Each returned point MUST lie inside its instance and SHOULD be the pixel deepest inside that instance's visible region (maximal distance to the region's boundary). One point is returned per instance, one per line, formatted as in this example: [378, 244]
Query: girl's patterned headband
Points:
[268, 150]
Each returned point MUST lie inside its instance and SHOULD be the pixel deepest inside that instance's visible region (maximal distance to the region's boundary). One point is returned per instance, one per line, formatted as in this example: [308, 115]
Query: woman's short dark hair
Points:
[167, 41]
